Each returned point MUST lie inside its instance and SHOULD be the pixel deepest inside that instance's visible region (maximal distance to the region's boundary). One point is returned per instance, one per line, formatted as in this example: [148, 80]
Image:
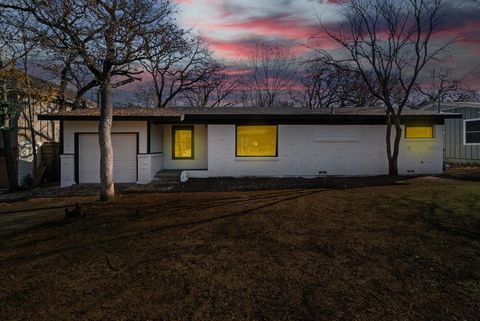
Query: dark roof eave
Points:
[314, 119]
[117, 118]
[259, 118]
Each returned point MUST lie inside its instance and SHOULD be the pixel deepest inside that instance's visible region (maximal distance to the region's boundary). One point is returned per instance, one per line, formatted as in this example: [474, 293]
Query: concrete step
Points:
[168, 176]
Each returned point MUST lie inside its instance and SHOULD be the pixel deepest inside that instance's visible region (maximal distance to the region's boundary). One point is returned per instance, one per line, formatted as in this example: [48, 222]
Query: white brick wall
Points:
[305, 150]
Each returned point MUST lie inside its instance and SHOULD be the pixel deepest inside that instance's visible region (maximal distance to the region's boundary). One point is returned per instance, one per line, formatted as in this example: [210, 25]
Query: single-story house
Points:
[462, 135]
[216, 142]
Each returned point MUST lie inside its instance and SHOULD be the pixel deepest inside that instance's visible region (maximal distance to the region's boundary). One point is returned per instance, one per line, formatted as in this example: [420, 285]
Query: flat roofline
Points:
[350, 119]
[116, 118]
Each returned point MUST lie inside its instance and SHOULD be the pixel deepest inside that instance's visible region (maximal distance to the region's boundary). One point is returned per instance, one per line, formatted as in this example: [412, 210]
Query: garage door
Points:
[124, 158]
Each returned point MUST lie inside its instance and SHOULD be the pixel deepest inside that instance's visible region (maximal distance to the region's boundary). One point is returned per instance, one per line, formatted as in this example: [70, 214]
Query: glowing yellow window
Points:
[413, 131]
[259, 141]
[182, 142]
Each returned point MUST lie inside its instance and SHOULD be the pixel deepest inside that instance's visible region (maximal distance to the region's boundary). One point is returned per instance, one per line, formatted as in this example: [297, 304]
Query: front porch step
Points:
[168, 176]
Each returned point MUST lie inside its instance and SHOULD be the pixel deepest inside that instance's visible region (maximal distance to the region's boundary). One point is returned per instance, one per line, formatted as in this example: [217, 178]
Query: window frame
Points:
[256, 156]
[465, 132]
[419, 125]
[191, 128]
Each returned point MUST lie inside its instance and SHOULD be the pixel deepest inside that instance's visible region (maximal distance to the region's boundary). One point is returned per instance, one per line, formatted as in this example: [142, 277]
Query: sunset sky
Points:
[230, 24]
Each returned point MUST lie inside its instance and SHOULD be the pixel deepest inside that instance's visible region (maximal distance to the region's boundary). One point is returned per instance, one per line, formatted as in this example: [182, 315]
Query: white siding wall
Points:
[339, 150]
[156, 138]
[200, 150]
[72, 127]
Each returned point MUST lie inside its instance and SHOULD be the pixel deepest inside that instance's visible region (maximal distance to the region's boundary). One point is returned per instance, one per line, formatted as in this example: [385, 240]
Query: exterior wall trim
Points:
[465, 132]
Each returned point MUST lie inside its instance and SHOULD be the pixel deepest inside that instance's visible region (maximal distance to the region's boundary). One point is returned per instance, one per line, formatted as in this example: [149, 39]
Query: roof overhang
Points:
[297, 119]
[166, 119]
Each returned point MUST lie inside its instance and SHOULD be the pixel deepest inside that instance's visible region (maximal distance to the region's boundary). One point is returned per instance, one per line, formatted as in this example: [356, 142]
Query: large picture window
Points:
[182, 142]
[418, 131]
[256, 141]
[472, 132]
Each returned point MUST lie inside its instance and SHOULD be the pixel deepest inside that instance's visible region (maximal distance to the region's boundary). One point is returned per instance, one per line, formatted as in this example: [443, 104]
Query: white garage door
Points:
[124, 158]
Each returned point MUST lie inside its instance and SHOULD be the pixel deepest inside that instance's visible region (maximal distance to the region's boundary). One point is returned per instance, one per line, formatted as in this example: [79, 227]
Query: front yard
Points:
[404, 251]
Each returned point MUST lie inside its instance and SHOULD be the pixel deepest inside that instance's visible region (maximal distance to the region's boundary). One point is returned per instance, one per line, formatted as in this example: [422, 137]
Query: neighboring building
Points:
[462, 136]
[44, 100]
[216, 142]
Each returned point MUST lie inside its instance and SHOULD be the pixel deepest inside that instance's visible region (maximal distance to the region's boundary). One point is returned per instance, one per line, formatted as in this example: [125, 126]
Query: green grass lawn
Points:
[405, 251]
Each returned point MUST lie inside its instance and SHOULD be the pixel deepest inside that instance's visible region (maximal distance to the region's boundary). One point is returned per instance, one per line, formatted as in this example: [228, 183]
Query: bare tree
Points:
[109, 36]
[183, 66]
[73, 76]
[8, 115]
[10, 52]
[391, 40]
[444, 88]
[273, 69]
[328, 86]
[217, 89]
[60, 65]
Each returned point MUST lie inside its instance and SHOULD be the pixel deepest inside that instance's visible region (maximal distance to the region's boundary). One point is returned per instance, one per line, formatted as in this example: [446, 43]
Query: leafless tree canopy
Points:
[12, 48]
[272, 74]
[328, 86]
[443, 87]
[388, 43]
[109, 37]
[185, 72]
[217, 89]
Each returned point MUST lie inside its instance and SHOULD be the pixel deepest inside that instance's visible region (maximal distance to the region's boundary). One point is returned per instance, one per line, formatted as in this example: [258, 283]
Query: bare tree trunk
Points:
[33, 138]
[107, 188]
[63, 87]
[79, 97]
[388, 141]
[10, 160]
[31, 118]
[393, 122]
[396, 148]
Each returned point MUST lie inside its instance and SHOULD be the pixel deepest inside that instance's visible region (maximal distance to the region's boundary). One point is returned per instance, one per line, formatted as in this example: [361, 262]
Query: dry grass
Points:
[409, 251]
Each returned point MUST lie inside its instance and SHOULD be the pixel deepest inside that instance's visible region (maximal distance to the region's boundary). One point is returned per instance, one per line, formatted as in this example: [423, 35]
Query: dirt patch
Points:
[407, 251]
[465, 172]
[258, 184]
[205, 185]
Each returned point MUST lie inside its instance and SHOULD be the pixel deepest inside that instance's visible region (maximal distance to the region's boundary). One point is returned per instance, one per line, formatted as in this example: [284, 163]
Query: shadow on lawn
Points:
[147, 212]
[276, 198]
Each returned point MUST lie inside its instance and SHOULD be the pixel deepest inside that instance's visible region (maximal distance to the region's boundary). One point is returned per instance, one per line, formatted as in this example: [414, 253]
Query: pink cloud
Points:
[279, 25]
